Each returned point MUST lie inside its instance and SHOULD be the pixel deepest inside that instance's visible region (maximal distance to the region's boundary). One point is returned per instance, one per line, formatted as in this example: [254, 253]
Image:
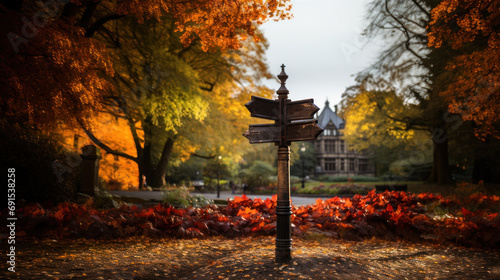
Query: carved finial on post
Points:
[282, 91]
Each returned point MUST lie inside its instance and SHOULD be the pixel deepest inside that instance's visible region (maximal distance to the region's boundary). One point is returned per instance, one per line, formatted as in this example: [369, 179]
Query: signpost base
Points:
[283, 208]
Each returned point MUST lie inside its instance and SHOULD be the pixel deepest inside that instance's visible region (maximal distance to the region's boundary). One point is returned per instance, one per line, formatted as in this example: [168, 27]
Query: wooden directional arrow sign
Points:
[263, 133]
[296, 131]
[301, 110]
[263, 108]
[269, 109]
[303, 131]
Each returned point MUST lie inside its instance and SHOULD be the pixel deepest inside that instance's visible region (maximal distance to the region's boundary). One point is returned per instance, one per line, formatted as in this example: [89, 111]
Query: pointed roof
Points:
[327, 116]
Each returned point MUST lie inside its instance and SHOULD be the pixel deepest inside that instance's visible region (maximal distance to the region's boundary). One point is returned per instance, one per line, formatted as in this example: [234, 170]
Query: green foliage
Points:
[259, 174]
[182, 199]
[334, 189]
[349, 179]
[36, 158]
[302, 162]
[437, 209]
[265, 152]
[189, 170]
[215, 168]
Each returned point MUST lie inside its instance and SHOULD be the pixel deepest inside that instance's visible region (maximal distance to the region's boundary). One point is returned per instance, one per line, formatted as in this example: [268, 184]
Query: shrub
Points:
[259, 174]
[182, 199]
[335, 189]
[349, 179]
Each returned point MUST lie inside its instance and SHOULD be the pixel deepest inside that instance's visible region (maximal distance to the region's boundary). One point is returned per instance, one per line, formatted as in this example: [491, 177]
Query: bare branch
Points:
[105, 147]
[422, 8]
[408, 38]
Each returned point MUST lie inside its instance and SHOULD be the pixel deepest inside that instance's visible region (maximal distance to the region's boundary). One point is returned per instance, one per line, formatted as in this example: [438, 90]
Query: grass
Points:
[334, 188]
[298, 184]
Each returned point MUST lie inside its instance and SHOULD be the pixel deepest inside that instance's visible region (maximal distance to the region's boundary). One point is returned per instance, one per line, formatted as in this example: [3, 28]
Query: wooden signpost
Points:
[293, 122]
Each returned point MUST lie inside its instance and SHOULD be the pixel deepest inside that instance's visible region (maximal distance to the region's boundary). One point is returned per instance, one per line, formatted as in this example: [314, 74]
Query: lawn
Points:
[334, 188]
[416, 187]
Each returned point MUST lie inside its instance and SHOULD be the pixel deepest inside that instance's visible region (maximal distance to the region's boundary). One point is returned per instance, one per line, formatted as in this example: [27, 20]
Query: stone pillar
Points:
[90, 170]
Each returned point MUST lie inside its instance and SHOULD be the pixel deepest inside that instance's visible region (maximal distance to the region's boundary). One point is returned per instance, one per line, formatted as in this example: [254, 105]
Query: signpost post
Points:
[293, 122]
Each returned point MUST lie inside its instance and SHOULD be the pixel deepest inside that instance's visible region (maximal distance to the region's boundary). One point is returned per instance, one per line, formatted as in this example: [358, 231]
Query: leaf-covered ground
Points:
[473, 221]
[392, 235]
[315, 256]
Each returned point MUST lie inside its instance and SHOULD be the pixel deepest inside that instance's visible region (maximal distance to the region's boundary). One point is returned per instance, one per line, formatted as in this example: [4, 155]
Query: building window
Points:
[363, 165]
[329, 164]
[330, 131]
[330, 146]
[351, 165]
[342, 146]
[342, 164]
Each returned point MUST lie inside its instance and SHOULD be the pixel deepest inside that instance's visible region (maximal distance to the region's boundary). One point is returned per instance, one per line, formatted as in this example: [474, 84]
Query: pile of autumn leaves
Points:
[389, 215]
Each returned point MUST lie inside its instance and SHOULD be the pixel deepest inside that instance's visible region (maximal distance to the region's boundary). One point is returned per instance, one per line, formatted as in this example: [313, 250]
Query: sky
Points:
[321, 47]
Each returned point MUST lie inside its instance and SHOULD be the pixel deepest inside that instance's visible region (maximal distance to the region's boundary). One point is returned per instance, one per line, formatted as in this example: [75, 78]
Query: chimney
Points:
[336, 109]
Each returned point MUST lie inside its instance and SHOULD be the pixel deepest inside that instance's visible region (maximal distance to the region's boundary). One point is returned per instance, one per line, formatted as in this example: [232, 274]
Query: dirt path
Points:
[314, 257]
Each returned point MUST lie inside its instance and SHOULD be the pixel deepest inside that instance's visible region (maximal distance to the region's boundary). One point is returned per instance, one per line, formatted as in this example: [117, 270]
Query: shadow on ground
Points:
[315, 257]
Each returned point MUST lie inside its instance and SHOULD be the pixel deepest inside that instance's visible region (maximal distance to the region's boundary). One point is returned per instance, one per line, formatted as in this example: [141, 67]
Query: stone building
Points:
[333, 156]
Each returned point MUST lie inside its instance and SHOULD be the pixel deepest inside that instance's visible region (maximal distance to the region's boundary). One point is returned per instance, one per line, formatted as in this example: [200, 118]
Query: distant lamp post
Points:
[218, 176]
[303, 150]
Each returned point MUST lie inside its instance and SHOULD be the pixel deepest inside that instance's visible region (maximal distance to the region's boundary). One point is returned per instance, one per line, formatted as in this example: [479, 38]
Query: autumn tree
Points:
[176, 94]
[50, 71]
[375, 124]
[53, 69]
[472, 28]
[69, 79]
[412, 69]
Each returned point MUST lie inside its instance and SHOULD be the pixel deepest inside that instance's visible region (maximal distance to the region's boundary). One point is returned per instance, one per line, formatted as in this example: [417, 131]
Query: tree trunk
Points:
[440, 169]
[155, 175]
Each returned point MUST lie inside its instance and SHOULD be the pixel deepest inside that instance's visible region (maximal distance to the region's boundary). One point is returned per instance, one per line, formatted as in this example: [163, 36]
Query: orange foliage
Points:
[55, 76]
[475, 91]
[53, 71]
[118, 172]
[216, 24]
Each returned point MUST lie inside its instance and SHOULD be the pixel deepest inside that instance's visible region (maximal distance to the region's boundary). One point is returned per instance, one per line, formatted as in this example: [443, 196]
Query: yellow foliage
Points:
[377, 118]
